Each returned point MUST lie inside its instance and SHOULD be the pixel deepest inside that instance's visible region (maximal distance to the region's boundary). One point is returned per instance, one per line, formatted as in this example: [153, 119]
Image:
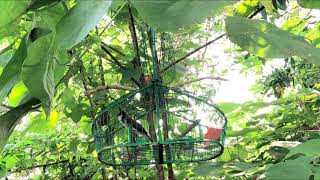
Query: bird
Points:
[137, 128]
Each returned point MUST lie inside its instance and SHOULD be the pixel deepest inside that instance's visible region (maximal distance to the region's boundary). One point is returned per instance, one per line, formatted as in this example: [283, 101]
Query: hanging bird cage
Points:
[163, 125]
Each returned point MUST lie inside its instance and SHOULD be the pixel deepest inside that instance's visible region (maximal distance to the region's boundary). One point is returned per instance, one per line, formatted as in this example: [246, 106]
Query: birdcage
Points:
[159, 125]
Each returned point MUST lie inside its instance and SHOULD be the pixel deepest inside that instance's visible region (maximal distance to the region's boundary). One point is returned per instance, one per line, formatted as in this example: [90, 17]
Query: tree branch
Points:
[190, 128]
[192, 52]
[115, 60]
[114, 49]
[6, 106]
[106, 87]
[101, 69]
[136, 62]
[112, 18]
[134, 38]
[85, 85]
[256, 12]
[200, 79]
[208, 43]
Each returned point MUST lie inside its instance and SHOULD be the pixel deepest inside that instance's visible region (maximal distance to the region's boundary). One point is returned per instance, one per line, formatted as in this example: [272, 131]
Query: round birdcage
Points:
[159, 125]
[181, 127]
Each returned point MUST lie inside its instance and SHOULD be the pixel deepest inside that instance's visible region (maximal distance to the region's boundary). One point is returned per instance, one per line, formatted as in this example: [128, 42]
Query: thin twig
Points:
[256, 12]
[115, 60]
[286, 12]
[112, 18]
[192, 52]
[189, 129]
[6, 106]
[306, 17]
[200, 79]
[206, 44]
[85, 85]
[106, 87]
[114, 49]
[101, 69]
[134, 38]
[136, 62]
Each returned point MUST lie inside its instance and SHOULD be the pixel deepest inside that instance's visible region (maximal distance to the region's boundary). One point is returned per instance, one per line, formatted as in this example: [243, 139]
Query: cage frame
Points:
[219, 143]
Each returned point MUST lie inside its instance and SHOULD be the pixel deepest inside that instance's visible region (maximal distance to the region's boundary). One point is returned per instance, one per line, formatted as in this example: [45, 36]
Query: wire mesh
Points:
[179, 126]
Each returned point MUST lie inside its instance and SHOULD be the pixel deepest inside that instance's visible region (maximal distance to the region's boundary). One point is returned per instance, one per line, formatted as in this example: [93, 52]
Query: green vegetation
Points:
[62, 61]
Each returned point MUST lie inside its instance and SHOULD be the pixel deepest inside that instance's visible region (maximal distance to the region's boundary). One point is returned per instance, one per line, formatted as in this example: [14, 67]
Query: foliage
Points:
[53, 53]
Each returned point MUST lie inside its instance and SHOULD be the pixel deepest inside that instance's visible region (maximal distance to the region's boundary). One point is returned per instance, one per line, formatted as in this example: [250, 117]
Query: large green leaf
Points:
[5, 57]
[11, 73]
[8, 30]
[52, 16]
[72, 108]
[37, 71]
[40, 4]
[173, 14]
[9, 120]
[11, 10]
[128, 72]
[297, 169]
[309, 148]
[208, 169]
[228, 107]
[78, 22]
[312, 4]
[266, 40]
[38, 123]
[18, 92]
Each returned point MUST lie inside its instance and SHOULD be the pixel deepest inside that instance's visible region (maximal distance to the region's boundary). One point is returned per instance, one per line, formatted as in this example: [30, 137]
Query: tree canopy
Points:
[63, 61]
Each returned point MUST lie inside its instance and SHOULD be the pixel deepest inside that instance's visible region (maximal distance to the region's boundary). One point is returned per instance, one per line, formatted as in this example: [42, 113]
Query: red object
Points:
[212, 134]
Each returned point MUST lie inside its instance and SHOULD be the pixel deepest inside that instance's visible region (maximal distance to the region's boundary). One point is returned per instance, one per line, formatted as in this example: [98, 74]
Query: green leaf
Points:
[293, 169]
[18, 92]
[173, 14]
[5, 58]
[208, 169]
[266, 40]
[40, 4]
[309, 148]
[72, 108]
[311, 4]
[77, 112]
[73, 146]
[5, 55]
[11, 162]
[8, 30]
[3, 172]
[37, 71]
[78, 22]
[52, 16]
[129, 72]
[245, 8]
[9, 120]
[86, 124]
[40, 124]
[228, 107]
[234, 152]
[11, 10]
[243, 166]
[11, 74]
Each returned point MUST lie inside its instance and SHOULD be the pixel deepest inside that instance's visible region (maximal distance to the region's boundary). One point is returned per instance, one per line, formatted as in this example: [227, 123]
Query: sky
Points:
[237, 89]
